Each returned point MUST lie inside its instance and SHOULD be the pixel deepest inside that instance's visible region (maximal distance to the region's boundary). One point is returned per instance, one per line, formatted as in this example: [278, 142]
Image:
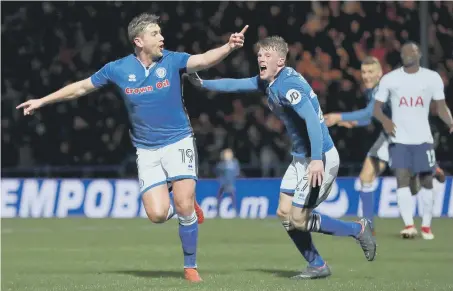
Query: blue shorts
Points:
[416, 158]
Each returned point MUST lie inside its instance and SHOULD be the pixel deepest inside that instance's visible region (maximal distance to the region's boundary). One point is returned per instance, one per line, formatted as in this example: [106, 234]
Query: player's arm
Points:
[225, 85]
[363, 115]
[212, 57]
[297, 96]
[381, 97]
[69, 92]
[439, 98]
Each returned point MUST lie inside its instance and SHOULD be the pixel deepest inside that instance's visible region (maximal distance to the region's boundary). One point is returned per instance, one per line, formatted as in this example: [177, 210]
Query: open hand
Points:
[332, 118]
[315, 173]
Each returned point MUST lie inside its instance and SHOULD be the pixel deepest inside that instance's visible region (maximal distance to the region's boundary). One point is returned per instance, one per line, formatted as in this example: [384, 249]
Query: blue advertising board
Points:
[256, 198]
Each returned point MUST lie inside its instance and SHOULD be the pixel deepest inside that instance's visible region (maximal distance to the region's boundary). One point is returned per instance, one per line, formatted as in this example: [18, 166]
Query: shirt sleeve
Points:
[232, 85]
[297, 96]
[438, 87]
[383, 90]
[365, 113]
[103, 76]
[181, 59]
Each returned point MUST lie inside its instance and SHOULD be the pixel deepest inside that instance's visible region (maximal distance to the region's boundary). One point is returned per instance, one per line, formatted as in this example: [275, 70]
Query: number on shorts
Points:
[186, 153]
[431, 157]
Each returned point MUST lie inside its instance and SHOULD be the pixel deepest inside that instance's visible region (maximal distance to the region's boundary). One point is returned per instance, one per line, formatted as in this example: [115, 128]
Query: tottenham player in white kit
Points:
[410, 90]
[149, 81]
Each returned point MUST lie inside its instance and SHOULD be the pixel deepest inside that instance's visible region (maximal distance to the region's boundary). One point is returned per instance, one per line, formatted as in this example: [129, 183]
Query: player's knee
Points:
[426, 180]
[367, 176]
[403, 178]
[157, 216]
[283, 213]
[299, 220]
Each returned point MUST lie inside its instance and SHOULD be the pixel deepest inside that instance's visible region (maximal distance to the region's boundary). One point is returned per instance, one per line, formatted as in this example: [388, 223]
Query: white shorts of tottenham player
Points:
[169, 163]
[295, 180]
[380, 148]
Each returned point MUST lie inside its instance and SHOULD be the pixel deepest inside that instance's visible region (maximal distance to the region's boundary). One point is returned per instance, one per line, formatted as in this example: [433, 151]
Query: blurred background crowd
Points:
[51, 44]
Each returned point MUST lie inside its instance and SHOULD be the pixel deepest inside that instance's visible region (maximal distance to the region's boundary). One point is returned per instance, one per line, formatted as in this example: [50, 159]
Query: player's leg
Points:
[307, 198]
[220, 193]
[301, 239]
[401, 164]
[373, 166]
[180, 162]
[427, 195]
[153, 186]
[424, 163]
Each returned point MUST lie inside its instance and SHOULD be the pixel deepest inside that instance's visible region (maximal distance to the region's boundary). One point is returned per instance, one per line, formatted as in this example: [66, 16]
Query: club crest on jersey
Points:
[132, 78]
[161, 73]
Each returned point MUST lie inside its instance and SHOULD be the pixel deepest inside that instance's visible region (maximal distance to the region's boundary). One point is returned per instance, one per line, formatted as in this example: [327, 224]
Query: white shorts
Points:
[380, 148]
[172, 162]
[295, 180]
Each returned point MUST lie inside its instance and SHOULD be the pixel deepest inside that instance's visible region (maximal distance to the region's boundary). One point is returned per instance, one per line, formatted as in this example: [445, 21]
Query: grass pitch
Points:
[122, 255]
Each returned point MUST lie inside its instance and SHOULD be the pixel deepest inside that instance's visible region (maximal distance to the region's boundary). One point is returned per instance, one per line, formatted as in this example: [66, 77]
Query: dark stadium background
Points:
[47, 45]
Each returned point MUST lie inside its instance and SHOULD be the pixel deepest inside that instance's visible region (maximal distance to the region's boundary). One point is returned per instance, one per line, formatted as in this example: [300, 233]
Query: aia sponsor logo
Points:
[159, 85]
[411, 102]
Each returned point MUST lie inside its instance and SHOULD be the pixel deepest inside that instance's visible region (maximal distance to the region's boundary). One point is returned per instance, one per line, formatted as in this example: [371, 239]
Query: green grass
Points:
[123, 255]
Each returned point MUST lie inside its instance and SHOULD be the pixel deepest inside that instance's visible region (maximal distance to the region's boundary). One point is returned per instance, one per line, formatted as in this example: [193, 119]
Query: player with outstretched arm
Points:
[150, 83]
[378, 156]
[309, 178]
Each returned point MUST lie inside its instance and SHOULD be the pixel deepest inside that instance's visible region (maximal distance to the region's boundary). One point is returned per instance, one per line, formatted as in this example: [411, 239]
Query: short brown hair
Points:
[276, 43]
[139, 24]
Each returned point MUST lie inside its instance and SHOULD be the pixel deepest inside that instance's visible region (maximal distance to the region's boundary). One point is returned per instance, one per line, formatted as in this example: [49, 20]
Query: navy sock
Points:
[304, 244]
[188, 233]
[324, 224]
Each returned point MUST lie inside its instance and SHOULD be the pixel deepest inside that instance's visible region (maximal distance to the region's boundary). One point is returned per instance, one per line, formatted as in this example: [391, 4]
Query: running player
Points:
[410, 90]
[310, 176]
[149, 81]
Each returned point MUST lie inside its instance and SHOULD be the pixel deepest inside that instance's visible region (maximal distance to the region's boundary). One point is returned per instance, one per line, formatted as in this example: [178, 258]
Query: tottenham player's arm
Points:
[71, 91]
[298, 98]
[439, 99]
[381, 97]
[211, 58]
[225, 85]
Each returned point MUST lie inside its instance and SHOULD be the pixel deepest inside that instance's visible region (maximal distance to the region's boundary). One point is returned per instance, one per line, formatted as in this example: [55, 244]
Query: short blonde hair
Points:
[276, 43]
[370, 60]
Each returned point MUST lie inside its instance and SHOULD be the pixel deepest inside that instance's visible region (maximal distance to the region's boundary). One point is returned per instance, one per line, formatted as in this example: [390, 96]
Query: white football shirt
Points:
[410, 97]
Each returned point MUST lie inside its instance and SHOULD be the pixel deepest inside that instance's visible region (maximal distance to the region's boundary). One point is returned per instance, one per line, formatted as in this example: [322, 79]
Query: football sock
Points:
[427, 196]
[304, 244]
[405, 205]
[324, 224]
[367, 197]
[188, 233]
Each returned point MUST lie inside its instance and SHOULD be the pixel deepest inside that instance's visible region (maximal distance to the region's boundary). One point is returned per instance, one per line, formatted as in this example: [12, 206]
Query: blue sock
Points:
[188, 233]
[304, 244]
[368, 205]
[327, 225]
[171, 210]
